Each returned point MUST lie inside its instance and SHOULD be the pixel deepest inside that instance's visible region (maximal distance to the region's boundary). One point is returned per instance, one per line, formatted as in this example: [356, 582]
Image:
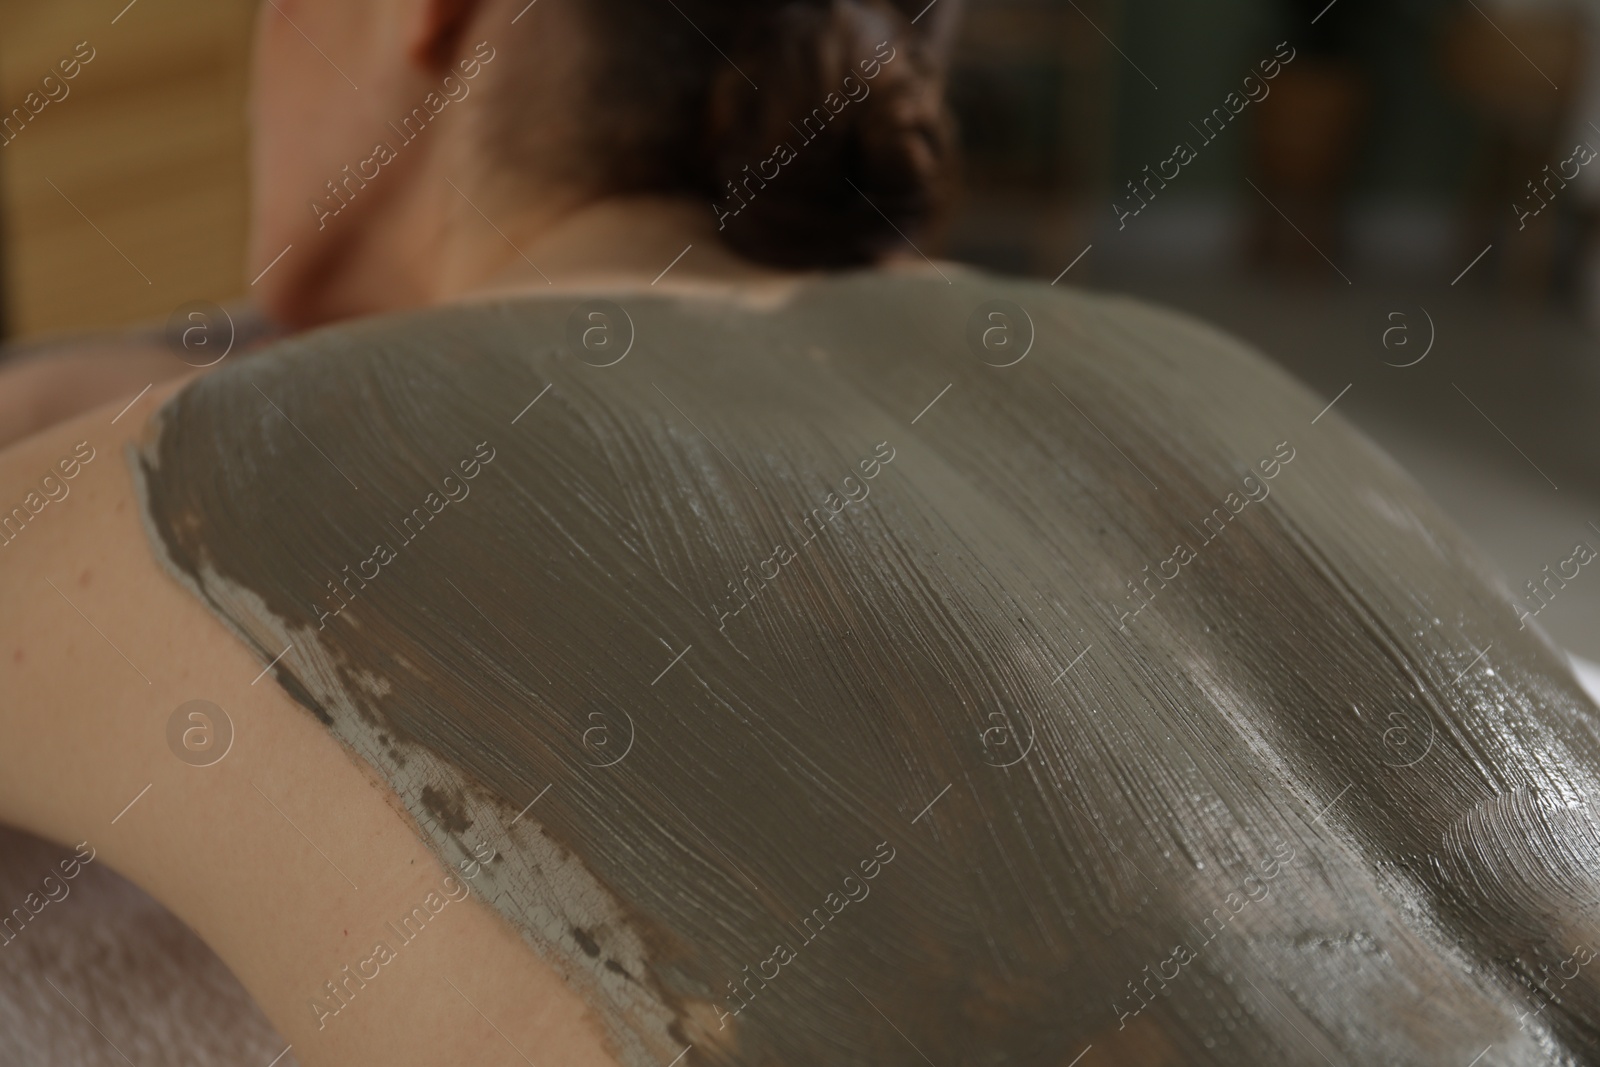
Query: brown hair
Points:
[817, 129]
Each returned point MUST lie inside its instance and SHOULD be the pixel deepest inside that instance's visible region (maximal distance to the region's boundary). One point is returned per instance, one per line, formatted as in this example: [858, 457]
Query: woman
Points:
[749, 664]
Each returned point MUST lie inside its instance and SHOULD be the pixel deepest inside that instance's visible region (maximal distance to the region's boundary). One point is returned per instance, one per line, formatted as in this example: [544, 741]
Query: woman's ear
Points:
[438, 29]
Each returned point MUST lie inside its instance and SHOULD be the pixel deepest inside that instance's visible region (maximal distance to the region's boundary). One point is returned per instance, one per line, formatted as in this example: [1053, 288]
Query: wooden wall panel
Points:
[150, 145]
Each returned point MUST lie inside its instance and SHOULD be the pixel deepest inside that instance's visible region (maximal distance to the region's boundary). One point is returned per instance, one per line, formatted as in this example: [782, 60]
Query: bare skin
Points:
[222, 847]
[443, 222]
[87, 734]
[72, 377]
[287, 857]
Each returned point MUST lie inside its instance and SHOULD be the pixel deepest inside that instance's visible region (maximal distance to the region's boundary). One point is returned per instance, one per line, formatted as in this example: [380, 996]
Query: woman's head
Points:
[811, 133]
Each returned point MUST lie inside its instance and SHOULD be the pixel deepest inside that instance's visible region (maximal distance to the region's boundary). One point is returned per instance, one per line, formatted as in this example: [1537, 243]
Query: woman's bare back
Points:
[848, 682]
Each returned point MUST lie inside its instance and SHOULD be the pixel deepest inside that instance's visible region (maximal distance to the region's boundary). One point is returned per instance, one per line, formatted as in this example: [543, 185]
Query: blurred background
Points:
[1408, 187]
[1402, 216]
[145, 154]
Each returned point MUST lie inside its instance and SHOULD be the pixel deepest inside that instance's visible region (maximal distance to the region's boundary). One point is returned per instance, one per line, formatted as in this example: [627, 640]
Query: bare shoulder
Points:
[139, 727]
[71, 551]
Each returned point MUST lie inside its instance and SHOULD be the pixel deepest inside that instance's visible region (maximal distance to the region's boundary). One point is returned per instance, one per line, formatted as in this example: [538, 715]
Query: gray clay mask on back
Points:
[819, 685]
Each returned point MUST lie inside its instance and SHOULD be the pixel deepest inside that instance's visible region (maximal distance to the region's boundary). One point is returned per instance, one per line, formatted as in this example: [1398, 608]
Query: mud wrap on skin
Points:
[924, 781]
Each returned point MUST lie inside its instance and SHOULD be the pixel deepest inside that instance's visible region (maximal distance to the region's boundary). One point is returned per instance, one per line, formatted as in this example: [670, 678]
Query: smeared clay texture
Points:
[1099, 699]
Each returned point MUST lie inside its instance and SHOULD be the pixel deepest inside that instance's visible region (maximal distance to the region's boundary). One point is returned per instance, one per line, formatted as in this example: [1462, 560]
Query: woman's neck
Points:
[614, 243]
[440, 239]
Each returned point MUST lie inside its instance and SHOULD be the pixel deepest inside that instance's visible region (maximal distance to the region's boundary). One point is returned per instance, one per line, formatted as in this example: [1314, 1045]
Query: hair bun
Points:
[829, 137]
